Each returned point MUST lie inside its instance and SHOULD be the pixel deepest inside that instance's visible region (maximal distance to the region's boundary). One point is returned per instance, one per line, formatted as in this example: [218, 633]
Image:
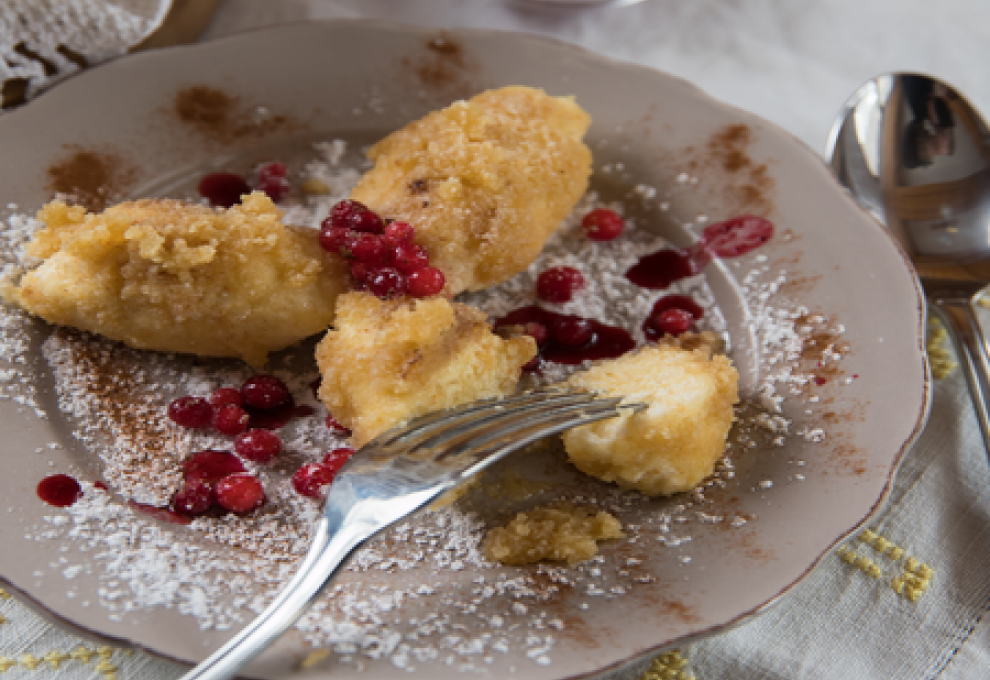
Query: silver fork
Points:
[398, 472]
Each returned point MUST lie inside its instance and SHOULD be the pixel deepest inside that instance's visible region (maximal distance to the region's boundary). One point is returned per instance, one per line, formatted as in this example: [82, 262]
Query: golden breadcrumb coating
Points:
[564, 532]
[673, 444]
[171, 276]
[386, 361]
[484, 182]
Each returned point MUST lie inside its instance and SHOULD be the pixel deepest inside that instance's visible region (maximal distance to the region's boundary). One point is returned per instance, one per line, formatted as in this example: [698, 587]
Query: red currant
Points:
[366, 221]
[258, 445]
[194, 498]
[559, 284]
[410, 257]
[193, 412]
[370, 249]
[335, 460]
[226, 395]
[399, 232]
[240, 493]
[230, 419]
[603, 225]
[272, 169]
[211, 466]
[335, 239]
[276, 188]
[264, 391]
[426, 282]
[386, 282]
[673, 321]
[310, 479]
[341, 212]
[572, 332]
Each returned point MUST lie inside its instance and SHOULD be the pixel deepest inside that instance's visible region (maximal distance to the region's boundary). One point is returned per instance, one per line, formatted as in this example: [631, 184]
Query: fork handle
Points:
[972, 348]
[331, 545]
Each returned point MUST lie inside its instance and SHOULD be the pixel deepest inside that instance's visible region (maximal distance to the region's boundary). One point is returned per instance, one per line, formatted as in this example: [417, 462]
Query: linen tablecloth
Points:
[905, 599]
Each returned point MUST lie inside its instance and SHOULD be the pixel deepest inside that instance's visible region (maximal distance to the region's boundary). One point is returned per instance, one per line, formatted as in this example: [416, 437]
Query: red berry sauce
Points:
[164, 514]
[564, 332]
[731, 238]
[223, 189]
[736, 236]
[59, 490]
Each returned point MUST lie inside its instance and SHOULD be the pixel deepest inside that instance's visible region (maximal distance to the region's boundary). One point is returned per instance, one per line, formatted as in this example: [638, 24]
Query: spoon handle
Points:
[971, 345]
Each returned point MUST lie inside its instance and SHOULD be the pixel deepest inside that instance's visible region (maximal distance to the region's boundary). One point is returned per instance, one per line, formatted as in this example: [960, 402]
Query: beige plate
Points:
[359, 80]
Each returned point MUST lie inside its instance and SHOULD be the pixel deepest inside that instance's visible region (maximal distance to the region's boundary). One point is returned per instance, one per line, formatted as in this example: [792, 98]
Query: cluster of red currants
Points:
[218, 478]
[384, 260]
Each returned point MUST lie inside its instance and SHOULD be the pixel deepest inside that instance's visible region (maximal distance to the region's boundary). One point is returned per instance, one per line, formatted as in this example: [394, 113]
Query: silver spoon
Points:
[916, 155]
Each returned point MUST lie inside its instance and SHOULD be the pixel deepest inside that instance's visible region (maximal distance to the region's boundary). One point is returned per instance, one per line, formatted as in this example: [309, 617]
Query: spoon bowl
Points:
[916, 155]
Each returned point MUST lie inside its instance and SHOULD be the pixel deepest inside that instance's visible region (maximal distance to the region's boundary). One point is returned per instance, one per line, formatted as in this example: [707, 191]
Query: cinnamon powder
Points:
[92, 178]
[220, 116]
[750, 185]
[443, 67]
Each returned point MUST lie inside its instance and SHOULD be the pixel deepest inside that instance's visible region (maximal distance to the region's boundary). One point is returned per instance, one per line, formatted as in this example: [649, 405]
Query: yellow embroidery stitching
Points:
[55, 659]
[82, 654]
[4, 595]
[105, 667]
[3, 619]
[29, 661]
[911, 583]
[939, 357]
[6, 663]
[669, 666]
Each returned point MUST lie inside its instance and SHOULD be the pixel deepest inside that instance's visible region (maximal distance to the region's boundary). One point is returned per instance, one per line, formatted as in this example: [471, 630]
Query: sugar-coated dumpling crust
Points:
[674, 444]
[385, 362]
[167, 275]
[484, 182]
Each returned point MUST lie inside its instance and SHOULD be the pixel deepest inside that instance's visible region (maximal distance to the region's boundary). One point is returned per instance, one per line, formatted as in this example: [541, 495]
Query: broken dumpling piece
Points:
[563, 533]
[388, 361]
[177, 277]
[485, 182]
[672, 445]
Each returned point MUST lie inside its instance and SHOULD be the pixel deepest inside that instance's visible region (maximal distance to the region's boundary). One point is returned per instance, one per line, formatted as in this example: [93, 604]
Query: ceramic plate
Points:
[854, 388]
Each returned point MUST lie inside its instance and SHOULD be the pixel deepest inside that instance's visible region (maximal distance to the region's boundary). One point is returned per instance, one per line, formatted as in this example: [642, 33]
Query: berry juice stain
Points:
[167, 515]
[59, 490]
[731, 238]
[572, 339]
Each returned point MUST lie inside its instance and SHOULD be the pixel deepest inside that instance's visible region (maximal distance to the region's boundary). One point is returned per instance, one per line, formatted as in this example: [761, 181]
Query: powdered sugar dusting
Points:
[421, 593]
